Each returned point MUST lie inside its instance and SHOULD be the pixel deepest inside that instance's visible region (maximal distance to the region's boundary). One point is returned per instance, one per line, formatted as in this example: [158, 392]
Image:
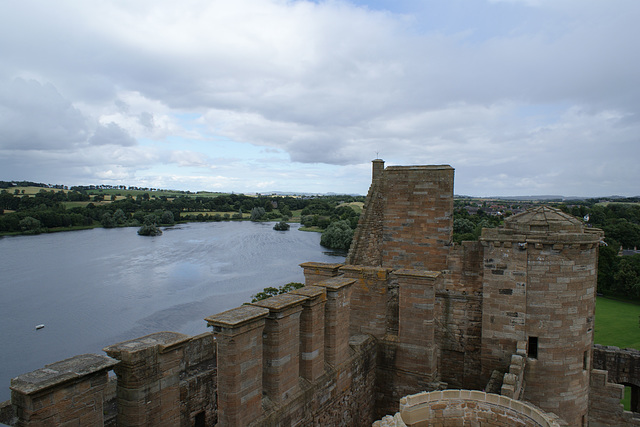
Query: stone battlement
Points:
[408, 314]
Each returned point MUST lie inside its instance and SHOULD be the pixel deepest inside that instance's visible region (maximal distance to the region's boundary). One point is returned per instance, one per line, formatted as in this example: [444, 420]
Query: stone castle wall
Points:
[408, 219]
[408, 313]
[540, 275]
[605, 408]
[459, 318]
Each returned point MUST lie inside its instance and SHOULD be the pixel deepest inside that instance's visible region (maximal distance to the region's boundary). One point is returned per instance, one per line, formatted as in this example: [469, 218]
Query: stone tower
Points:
[408, 219]
[539, 286]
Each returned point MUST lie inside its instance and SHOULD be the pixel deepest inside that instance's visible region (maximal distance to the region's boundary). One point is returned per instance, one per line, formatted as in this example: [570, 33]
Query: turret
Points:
[539, 287]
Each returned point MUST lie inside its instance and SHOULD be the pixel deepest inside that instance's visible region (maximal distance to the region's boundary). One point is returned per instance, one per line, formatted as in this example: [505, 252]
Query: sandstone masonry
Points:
[496, 332]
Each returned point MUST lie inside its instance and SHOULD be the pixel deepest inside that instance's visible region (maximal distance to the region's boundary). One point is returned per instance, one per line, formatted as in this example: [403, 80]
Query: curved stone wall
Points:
[450, 407]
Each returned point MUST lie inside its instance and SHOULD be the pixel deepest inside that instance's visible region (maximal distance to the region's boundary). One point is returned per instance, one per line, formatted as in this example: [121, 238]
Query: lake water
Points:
[98, 287]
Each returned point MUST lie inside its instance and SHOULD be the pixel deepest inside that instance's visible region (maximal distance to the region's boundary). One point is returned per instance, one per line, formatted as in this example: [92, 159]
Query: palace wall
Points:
[407, 220]
[409, 313]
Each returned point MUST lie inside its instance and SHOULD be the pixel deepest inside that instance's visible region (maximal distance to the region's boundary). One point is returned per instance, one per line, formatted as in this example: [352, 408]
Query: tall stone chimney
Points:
[378, 168]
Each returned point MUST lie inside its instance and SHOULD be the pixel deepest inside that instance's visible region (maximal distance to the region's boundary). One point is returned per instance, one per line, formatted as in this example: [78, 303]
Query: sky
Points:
[521, 97]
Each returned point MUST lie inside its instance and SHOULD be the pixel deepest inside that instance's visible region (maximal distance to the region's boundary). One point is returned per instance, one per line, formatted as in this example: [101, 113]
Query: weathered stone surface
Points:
[408, 312]
[58, 373]
[605, 408]
[407, 220]
[69, 391]
[461, 407]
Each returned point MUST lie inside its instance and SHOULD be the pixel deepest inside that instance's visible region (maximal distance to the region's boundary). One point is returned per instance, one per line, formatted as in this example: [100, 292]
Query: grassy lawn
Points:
[617, 323]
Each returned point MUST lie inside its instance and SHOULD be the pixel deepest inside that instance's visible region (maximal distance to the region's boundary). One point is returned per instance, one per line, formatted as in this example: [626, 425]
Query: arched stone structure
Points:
[462, 407]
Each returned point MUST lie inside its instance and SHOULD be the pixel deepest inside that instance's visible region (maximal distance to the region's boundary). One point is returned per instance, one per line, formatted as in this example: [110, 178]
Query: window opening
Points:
[200, 420]
[532, 348]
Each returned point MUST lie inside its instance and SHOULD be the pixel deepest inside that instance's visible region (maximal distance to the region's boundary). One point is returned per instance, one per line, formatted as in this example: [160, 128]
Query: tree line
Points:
[47, 210]
[617, 275]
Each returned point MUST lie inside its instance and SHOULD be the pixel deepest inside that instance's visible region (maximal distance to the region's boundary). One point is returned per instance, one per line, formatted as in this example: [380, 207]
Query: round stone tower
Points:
[539, 288]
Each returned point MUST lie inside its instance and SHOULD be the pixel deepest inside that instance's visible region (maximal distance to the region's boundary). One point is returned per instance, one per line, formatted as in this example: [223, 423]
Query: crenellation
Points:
[411, 322]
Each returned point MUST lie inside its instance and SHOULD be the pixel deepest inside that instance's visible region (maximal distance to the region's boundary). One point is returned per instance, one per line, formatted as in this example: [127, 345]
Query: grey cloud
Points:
[35, 116]
[111, 134]
[146, 120]
[334, 83]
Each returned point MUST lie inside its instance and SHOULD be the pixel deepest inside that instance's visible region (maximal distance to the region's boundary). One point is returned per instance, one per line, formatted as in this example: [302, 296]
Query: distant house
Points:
[628, 252]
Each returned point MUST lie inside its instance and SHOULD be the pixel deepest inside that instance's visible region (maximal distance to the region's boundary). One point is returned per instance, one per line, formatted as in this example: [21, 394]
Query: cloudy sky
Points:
[521, 97]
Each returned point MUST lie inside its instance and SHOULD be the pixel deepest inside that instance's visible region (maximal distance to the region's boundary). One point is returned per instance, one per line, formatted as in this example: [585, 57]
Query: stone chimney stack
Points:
[378, 168]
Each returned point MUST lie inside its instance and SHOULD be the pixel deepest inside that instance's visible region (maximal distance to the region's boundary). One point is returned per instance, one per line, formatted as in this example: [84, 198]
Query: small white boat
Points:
[40, 326]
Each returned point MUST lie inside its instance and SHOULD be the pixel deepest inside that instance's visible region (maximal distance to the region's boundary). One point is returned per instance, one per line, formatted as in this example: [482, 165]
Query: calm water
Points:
[97, 287]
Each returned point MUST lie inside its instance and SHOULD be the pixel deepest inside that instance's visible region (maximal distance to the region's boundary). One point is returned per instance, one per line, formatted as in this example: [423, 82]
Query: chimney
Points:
[378, 168]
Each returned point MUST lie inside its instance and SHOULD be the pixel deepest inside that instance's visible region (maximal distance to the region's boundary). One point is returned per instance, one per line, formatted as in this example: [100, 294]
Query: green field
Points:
[617, 323]
[356, 206]
[158, 193]
[31, 191]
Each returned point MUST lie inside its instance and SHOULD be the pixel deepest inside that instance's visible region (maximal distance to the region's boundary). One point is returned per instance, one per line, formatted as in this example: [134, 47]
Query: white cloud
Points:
[534, 88]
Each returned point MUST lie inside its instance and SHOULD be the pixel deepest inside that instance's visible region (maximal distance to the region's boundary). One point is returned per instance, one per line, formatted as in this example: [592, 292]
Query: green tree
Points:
[149, 228]
[338, 235]
[627, 278]
[607, 267]
[257, 213]
[107, 220]
[285, 211]
[270, 291]
[119, 217]
[167, 218]
[281, 226]
[30, 225]
[463, 225]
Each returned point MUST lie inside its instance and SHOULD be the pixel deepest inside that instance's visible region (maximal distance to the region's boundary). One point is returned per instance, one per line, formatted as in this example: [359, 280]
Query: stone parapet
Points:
[605, 408]
[238, 334]
[148, 390]
[281, 345]
[467, 407]
[373, 301]
[623, 365]
[312, 331]
[337, 311]
[315, 272]
[324, 402]
[69, 391]
[7, 413]
[198, 381]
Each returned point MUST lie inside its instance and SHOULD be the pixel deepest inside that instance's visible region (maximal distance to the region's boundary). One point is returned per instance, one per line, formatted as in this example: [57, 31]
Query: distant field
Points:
[617, 203]
[30, 191]
[617, 323]
[356, 206]
[169, 194]
[70, 205]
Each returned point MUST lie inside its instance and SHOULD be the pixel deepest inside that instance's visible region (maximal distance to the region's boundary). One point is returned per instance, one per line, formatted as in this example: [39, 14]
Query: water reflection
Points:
[97, 287]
